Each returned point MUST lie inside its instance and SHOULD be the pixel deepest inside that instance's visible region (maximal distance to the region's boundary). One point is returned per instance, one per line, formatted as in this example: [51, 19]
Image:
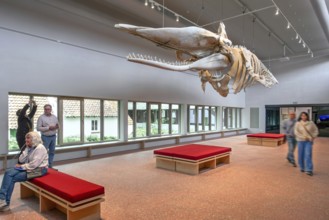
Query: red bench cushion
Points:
[68, 187]
[192, 151]
[266, 135]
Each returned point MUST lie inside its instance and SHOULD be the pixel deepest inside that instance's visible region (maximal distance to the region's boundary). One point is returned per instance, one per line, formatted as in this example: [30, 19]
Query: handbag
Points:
[37, 172]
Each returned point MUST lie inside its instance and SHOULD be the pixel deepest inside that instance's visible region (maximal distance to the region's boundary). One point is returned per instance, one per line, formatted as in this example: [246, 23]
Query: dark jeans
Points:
[49, 142]
[10, 177]
[291, 148]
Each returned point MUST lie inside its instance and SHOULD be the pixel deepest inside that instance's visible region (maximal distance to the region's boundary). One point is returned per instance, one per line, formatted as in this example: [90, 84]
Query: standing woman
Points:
[24, 122]
[34, 156]
[305, 132]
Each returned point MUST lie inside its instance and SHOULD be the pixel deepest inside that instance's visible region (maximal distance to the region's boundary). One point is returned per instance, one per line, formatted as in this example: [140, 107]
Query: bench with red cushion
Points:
[266, 135]
[191, 158]
[192, 151]
[75, 197]
[266, 139]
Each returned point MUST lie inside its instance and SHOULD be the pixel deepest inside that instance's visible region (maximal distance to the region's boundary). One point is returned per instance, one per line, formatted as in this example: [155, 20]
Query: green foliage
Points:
[110, 138]
[93, 138]
[140, 132]
[70, 139]
[12, 144]
[96, 138]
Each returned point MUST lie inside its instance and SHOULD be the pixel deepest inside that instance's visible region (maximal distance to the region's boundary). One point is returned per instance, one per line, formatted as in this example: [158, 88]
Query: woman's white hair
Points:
[36, 138]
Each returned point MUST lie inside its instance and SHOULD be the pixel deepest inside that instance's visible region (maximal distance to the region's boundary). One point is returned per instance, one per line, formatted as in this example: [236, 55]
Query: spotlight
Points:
[312, 55]
[146, 3]
[300, 40]
[152, 5]
[296, 36]
[177, 17]
[277, 11]
[309, 51]
[303, 44]
[288, 25]
[155, 4]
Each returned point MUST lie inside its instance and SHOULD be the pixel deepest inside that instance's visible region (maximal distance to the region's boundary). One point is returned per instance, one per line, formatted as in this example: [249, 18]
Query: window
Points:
[110, 120]
[231, 118]
[131, 119]
[94, 125]
[81, 120]
[175, 119]
[206, 118]
[18, 101]
[15, 102]
[141, 119]
[152, 119]
[191, 117]
[165, 119]
[91, 116]
[70, 121]
[200, 118]
[213, 118]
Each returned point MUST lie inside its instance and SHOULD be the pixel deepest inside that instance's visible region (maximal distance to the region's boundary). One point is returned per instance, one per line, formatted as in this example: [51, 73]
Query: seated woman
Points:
[34, 156]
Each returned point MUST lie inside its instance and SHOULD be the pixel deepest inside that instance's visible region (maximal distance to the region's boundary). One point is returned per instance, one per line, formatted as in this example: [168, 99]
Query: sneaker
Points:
[310, 173]
[4, 208]
[293, 164]
[2, 203]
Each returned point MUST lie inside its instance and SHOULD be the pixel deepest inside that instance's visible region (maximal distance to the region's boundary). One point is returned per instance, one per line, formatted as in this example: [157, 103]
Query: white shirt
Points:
[44, 122]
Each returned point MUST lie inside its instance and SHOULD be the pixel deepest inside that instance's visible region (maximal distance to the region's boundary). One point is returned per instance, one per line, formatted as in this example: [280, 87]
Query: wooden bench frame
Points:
[192, 167]
[269, 142]
[85, 209]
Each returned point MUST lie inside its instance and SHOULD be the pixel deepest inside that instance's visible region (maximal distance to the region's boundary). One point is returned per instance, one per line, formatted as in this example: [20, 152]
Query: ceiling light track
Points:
[239, 15]
[177, 17]
[301, 41]
[161, 7]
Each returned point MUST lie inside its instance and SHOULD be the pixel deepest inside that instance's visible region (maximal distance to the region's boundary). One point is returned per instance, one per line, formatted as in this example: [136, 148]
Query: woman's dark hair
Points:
[303, 113]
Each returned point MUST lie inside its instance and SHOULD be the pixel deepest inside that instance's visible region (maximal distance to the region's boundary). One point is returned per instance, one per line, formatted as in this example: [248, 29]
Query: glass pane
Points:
[41, 101]
[192, 123]
[71, 121]
[175, 119]
[131, 119]
[225, 117]
[141, 119]
[154, 119]
[238, 117]
[230, 118]
[200, 118]
[111, 120]
[233, 118]
[165, 118]
[15, 102]
[213, 118]
[206, 118]
[92, 119]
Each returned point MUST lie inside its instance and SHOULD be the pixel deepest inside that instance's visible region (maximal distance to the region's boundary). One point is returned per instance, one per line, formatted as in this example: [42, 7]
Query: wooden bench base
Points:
[270, 142]
[192, 167]
[85, 209]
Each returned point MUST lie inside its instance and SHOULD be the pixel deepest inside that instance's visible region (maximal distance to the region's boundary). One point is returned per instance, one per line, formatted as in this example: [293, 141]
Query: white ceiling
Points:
[307, 21]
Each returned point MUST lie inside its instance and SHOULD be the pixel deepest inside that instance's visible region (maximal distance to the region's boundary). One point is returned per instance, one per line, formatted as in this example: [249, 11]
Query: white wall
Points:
[301, 82]
[47, 50]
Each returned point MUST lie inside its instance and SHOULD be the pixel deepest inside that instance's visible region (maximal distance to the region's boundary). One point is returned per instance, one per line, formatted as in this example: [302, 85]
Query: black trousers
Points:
[20, 138]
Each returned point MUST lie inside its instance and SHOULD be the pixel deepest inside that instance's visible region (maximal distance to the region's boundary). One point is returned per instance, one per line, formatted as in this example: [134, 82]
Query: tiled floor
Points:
[259, 183]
